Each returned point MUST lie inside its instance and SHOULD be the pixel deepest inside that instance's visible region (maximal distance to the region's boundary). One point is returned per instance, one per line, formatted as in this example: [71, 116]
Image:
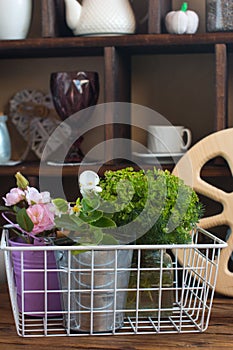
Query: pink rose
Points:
[15, 196]
[41, 216]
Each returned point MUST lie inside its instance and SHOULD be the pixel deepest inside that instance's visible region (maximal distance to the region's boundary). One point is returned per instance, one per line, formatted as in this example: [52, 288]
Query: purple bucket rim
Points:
[15, 241]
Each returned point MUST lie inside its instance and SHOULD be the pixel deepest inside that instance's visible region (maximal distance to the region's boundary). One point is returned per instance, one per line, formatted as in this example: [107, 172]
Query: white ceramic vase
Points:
[15, 19]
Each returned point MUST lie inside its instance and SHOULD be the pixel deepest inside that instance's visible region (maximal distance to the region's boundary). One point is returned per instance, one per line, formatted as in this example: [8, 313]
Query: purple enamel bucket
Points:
[37, 286]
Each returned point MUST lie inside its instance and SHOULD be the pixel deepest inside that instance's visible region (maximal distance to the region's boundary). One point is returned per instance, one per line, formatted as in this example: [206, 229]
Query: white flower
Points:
[88, 182]
[33, 196]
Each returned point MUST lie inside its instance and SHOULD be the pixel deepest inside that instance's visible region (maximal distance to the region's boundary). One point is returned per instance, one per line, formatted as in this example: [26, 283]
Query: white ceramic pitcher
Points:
[100, 17]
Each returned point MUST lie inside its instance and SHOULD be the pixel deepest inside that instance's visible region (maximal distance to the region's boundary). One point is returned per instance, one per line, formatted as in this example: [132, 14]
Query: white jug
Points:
[100, 17]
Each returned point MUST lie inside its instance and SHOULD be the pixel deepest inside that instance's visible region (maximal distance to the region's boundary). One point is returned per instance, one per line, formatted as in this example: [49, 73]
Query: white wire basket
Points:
[107, 290]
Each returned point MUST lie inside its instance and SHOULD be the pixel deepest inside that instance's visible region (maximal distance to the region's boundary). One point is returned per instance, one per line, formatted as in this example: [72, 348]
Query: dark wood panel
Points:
[53, 19]
[157, 10]
[221, 87]
[117, 89]
[48, 19]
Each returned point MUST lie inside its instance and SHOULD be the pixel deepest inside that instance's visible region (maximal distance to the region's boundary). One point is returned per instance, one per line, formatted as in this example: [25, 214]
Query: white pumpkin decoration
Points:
[183, 21]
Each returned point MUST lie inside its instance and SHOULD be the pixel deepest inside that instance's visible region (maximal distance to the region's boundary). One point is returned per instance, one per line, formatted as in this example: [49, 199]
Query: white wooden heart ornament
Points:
[34, 117]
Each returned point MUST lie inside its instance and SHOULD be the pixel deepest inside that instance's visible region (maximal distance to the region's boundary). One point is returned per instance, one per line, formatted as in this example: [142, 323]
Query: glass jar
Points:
[219, 15]
[153, 278]
[5, 144]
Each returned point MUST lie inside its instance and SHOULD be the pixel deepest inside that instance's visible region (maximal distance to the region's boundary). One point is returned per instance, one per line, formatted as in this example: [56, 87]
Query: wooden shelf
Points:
[133, 44]
[36, 169]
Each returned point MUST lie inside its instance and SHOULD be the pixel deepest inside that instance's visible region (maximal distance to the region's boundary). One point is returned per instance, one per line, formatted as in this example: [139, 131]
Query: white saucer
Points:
[10, 163]
[73, 163]
[103, 34]
[160, 158]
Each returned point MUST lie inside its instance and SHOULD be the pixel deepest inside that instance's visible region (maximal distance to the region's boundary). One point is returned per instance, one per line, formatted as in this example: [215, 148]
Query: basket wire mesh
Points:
[94, 294]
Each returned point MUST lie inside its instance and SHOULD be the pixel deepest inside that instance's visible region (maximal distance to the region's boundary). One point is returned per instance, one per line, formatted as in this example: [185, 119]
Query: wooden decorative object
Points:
[34, 117]
[189, 169]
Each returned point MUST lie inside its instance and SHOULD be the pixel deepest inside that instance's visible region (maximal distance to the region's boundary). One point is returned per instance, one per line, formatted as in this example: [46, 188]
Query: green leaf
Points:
[108, 240]
[16, 209]
[65, 221]
[24, 220]
[90, 203]
[104, 222]
[75, 252]
[98, 236]
[91, 216]
[78, 222]
[61, 204]
[85, 205]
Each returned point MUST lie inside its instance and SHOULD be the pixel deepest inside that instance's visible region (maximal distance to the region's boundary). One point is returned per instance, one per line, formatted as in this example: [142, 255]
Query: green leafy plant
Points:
[155, 207]
[160, 204]
[85, 223]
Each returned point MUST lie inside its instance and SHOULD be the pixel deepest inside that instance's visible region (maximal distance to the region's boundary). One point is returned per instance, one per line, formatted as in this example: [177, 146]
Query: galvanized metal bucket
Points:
[95, 283]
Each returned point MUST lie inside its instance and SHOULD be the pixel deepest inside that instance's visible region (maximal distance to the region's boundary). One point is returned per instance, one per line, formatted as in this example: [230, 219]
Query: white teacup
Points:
[168, 139]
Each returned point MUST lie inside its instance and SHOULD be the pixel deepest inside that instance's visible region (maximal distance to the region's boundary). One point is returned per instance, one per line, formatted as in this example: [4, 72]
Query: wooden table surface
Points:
[219, 334]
